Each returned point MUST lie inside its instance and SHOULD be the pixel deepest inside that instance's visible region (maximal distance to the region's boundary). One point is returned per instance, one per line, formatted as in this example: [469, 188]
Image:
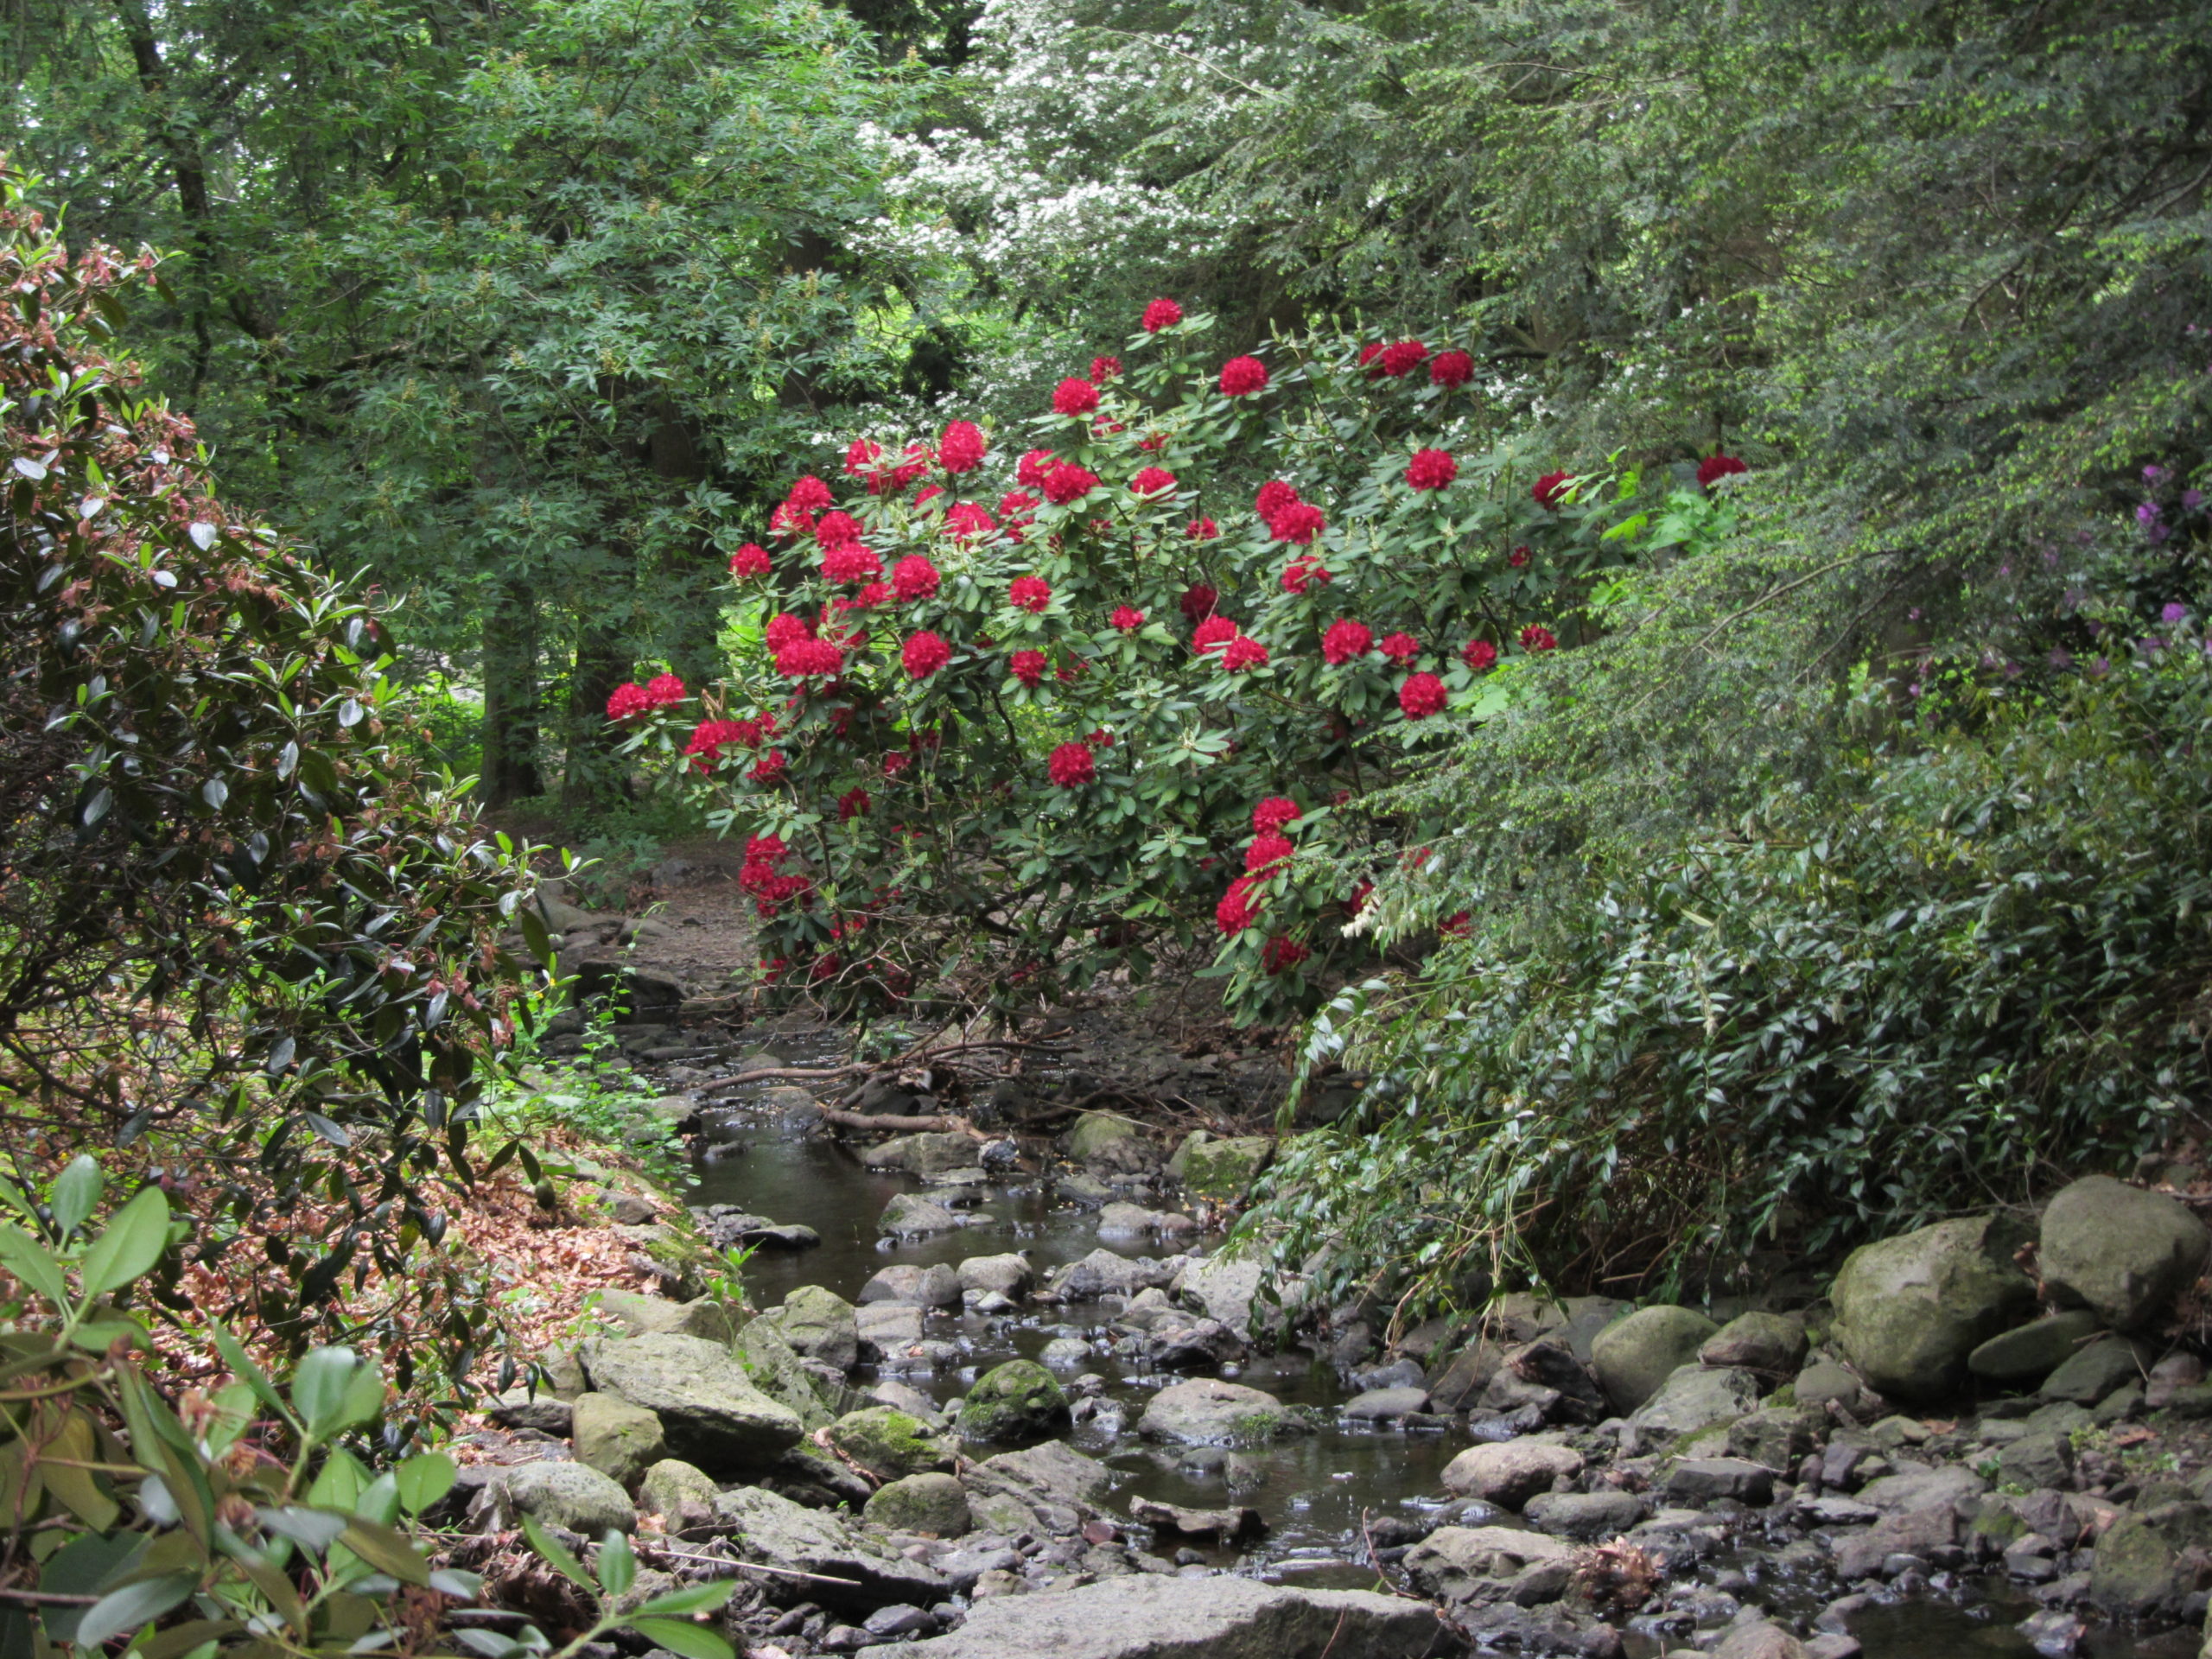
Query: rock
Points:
[1144, 1616]
[1585, 1516]
[1918, 1487]
[1225, 1527]
[2054, 1633]
[1909, 1309]
[1206, 1411]
[1224, 1289]
[1635, 1357]
[909, 1215]
[886, 1328]
[1478, 1563]
[935, 1286]
[1385, 1405]
[775, 1532]
[2124, 1252]
[2037, 1462]
[1691, 1399]
[1066, 1350]
[2148, 1562]
[2169, 1376]
[2026, 1354]
[818, 1324]
[1017, 1401]
[1461, 1382]
[645, 1316]
[519, 1409]
[1009, 1274]
[1824, 1380]
[669, 1484]
[1756, 1638]
[2097, 1370]
[1779, 1438]
[1511, 1472]
[1134, 1221]
[893, 1621]
[1186, 1344]
[1104, 1273]
[1772, 1344]
[710, 1411]
[1084, 1192]
[618, 1439]
[932, 1503]
[569, 1494]
[1222, 1171]
[1535, 1371]
[778, 1371]
[1699, 1480]
[889, 1443]
[923, 1154]
[1104, 1141]
[1052, 1473]
[1918, 1532]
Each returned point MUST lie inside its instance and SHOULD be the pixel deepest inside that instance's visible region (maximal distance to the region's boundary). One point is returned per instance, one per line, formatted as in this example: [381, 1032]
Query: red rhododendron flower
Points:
[1072, 764]
[1100, 739]
[894, 763]
[1127, 618]
[1074, 397]
[912, 464]
[965, 520]
[862, 456]
[1069, 673]
[1213, 632]
[1715, 467]
[1161, 314]
[1027, 666]
[867, 599]
[1431, 469]
[1267, 851]
[1551, 489]
[1152, 480]
[1451, 369]
[1030, 470]
[769, 768]
[1244, 652]
[809, 659]
[1017, 507]
[1280, 955]
[1453, 926]
[924, 653]
[960, 449]
[927, 493]
[1239, 908]
[1202, 530]
[1344, 641]
[1269, 815]
[664, 689]
[850, 562]
[914, 577]
[708, 738]
[1537, 637]
[1298, 524]
[1274, 495]
[1357, 902]
[1242, 376]
[1400, 357]
[1068, 482]
[1155, 441]
[1518, 557]
[787, 522]
[1400, 648]
[810, 494]
[1479, 655]
[1030, 594]
[833, 528]
[1300, 574]
[1421, 695]
[749, 561]
[628, 703]
[1198, 601]
[1104, 368]
[1368, 354]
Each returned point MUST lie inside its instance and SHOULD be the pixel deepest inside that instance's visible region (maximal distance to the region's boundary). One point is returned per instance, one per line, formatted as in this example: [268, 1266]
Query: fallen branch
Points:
[943, 1122]
[784, 1074]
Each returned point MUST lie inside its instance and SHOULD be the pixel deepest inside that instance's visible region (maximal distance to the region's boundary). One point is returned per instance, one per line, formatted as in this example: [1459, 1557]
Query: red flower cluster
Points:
[1431, 469]
[1127, 618]
[1099, 739]
[1421, 695]
[1074, 397]
[769, 768]
[1030, 594]
[708, 738]
[1152, 480]
[1072, 765]
[895, 763]
[1030, 470]
[914, 577]
[1271, 815]
[1344, 641]
[927, 493]
[1400, 648]
[836, 527]
[810, 494]
[1242, 376]
[1027, 666]
[757, 875]
[1454, 926]
[961, 448]
[1279, 956]
[1400, 357]
[924, 653]
[1018, 508]
[866, 599]
[1451, 369]
[1198, 601]
[1537, 637]
[1368, 354]
[1068, 482]
[1274, 495]
[1161, 314]
[1551, 489]
[862, 456]
[849, 562]
[1238, 908]
[1298, 524]
[662, 691]
[1202, 530]
[1104, 368]
[1713, 468]
[1300, 574]
[1268, 848]
[1243, 652]
[750, 561]
[1215, 631]
[965, 520]
[1518, 557]
[1479, 655]
[853, 804]
[810, 659]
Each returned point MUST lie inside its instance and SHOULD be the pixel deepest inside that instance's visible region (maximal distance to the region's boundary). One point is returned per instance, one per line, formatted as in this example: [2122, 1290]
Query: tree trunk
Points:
[512, 709]
[593, 775]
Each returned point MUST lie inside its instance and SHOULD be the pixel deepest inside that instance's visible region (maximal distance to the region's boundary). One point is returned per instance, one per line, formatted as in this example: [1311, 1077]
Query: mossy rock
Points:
[778, 1372]
[1017, 1401]
[1222, 1171]
[934, 1504]
[889, 1443]
[616, 1438]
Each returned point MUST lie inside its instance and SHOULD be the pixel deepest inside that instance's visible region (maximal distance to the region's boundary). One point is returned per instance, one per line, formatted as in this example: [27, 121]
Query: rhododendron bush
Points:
[1190, 586]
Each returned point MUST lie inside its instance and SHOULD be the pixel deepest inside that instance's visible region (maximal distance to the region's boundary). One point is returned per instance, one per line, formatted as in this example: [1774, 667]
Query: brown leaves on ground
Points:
[1615, 1577]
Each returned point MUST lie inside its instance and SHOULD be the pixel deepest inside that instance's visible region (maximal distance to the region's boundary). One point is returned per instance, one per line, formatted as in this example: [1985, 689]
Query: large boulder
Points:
[1008, 1275]
[855, 1575]
[1694, 1398]
[1224, 1289]
[1633, 1356]
[925, 1155]
[1222, 1171]
[932, 1503]
[909, 1215]
[2118, 1250]
[935, 1286]
[616, 1438]
[1480, 1563]
[1206, 1411]
[1140, 1616]
[645, 1316]
[1510, 1472]
[1105, 1141]
[1908, 1309]
[710, 1410]
[1106, 1273]
[1017, 1401]
[779, 1373]
[671, 1485]
[1051, 1475]
[2149, 1561]
[567, 1494]
[2028, 1353]
[888, 1443]
[1773, 1344]
[818, 1323]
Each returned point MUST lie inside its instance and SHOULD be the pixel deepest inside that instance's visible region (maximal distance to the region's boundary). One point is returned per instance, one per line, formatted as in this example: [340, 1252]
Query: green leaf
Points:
[692, 1599]
[240, 1366]
[327, 1391]
[388, 1550]
[133, 1241]
[30, 1261]
[424, 1479]
[556, 1555]
[76, 1193]
[691, 1641]
[135, 1605]
[618, 1567]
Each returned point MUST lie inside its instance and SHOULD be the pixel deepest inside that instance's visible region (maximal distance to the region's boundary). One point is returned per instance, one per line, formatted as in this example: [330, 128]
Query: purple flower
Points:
[2061, 658]
[2175, 612]
[2161, 533]
[2149, 644]
[2153, 472]
[2004, 569]
[2147, 513]
[2192, 499]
